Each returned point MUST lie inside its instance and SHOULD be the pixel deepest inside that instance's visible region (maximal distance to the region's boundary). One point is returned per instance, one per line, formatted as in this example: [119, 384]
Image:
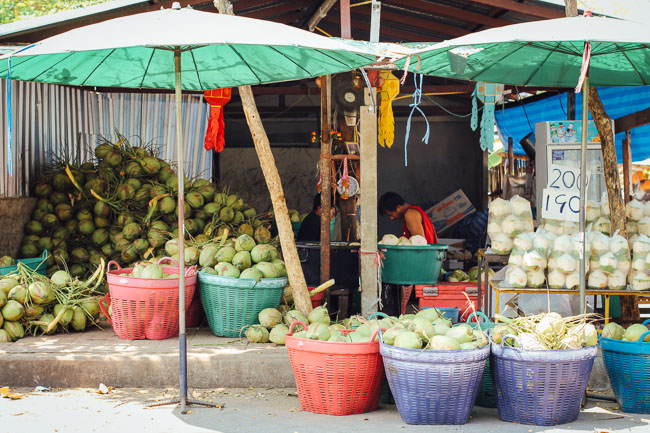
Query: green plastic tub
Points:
[406, 265]
[231, 304]
[36, 264]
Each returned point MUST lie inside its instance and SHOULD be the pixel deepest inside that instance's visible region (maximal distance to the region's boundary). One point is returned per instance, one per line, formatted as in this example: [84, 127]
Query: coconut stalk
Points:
[274, 184]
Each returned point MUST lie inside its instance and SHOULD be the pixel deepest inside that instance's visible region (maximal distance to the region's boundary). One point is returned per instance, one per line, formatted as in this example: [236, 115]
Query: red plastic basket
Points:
[146, 308]
[317, 299]
[336, 378]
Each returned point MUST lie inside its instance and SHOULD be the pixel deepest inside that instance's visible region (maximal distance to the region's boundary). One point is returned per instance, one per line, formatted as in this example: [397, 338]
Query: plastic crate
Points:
[36, 264]
[408, 265]
[450, 295]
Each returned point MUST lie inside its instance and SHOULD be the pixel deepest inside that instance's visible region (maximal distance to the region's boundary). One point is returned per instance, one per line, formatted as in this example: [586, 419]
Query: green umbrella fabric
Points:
[218, 51]
[544, 53]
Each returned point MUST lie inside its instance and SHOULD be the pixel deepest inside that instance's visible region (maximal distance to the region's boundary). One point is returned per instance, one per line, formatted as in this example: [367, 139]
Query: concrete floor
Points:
[253, 410]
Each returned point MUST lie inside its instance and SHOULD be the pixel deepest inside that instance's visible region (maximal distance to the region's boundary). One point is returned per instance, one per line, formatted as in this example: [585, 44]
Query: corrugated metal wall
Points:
[51, 121]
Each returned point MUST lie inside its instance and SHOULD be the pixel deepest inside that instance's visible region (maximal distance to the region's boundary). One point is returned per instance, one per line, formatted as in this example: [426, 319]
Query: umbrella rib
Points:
[196, 68]
[334, 58]
[539, 68]
[97, 66]
[632, 64]
[65, 58]
[290, 59]
[473, 77]
[24, 60]
[146, 70]
[232, 47]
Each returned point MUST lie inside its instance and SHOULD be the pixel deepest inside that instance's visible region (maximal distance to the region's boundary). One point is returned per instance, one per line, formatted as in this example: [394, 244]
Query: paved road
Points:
[251, 410]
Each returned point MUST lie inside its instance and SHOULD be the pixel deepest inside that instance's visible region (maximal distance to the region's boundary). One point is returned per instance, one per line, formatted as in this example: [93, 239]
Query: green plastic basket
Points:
[487, 395]
[36, 264]
[408, 265]
[230, 304]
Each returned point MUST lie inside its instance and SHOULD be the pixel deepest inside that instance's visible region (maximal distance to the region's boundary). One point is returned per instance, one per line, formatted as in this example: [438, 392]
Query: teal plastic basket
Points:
[231, 304]
[36, 264]
[408, 265]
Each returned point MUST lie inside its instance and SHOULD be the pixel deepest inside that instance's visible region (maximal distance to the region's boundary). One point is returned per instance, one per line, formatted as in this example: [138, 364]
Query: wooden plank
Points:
[449, 11]
[368, 201]
[627, 164]
[386, 30]
[388, 17]
[511, 157]
[269, 13]
[633, 120]
[326, 177]
[346, 29]
[535, 11]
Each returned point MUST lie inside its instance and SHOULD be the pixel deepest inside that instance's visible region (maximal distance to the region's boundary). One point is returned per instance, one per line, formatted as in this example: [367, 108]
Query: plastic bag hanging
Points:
[417, 97]
[489, 94]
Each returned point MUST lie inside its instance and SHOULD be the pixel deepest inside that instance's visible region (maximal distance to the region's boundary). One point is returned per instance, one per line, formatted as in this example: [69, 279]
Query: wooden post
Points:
[347, 208]
[326, 177]
[368, 200]
[511, 157]
[346, 32]
[627, 165]
[274, 184]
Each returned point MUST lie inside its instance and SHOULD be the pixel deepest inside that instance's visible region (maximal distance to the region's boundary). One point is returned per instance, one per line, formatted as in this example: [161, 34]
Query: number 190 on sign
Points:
[561, 204]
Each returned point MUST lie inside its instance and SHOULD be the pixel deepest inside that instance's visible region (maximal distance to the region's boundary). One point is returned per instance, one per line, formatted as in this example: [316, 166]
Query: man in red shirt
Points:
[416, 222]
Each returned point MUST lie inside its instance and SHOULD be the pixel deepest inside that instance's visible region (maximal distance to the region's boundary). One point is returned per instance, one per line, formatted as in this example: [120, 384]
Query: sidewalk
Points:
[86, 359]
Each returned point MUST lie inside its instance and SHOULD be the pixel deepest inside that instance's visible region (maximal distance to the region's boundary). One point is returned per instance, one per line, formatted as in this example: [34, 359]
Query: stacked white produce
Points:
[597, 215]
[528, 260]
[506, 219]
[640, 275]
[609, 263]
[564, 263]
[634, 214]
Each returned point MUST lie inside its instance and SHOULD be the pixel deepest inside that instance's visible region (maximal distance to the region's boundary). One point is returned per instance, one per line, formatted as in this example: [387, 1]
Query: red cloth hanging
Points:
[214, 136]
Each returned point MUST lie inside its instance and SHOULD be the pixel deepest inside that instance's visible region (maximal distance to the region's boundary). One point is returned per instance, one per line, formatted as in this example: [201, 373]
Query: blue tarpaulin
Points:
[517, 122]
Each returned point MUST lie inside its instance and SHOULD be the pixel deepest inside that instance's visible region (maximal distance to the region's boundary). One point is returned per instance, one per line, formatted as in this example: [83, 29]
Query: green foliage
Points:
[12, 10]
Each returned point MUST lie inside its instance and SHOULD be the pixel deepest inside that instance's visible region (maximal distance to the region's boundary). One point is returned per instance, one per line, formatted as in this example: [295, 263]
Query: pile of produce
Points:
[123, 207]
[403, 241]
[609, 262]
[640, 276]
[34, 304]
[528, 260]
[631, 333]
[295, 216]
[547, 331]
[242, 257]
[506, 219]
[6, 261]
[636, 214]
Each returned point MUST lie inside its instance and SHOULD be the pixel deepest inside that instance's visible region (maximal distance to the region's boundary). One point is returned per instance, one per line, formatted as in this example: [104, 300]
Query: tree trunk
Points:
[273, 182]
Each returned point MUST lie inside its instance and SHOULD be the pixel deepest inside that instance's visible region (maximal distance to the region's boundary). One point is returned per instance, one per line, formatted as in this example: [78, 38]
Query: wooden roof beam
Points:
[399, 35]
[320, 13]
[633, 120]
[274, 10]
[526, 9]
[448, 11]
[421, 23]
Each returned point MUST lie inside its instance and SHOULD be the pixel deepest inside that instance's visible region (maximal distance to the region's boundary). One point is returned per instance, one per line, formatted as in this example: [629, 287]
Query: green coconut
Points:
[79, 319]
[166, 173]
[226, 254]
[135, 184]
[211, 208]
[281, 268]
[125, 192]
[132, 169]
[61, 256]
[72, 226]
[242, 260]
[320, 315]
[430, 314]
[50, 220]
[187, 210]
[262, 235]
[91, 306]
[14, 330]
[8, 283]
[613, 330]
[18, 293]
[77, 270]
[60, 181]
[140, 245]
[33, 311]
[267, 269]
[257, 334]
[102, 150]
[194, 199]
[5, 338]
[152, 271]
[34, 227]
[227, 270]
[87, 227]
[123, 220]
[632, 333]
[28, 250]
[462, 334]
[191, 256]
[408, 340]
[249, 213]
[278, 334]
[128, 254]
[3, 298]
[226, 214]
[244, 243]
[269, 317]
[171, 247]
[63, 211]
[207, 191]
[40, 292]
[42, 190]
[100, 237]
[295, 316]
[150, 165]
[443, 342]
[79, 255]
[208, 257]
[132, 231]
[251, 274]
[13, 310]
[260, 253]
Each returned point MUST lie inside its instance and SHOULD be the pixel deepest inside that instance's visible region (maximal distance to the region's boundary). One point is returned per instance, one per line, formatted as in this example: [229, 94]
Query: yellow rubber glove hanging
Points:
[386, 122]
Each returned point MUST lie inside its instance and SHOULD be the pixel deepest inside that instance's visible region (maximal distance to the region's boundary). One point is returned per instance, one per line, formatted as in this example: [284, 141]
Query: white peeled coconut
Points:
[556, 280]
[404, 242]
[418, 241]
[644, 226]
[639, 281]
[523, 242]
[494, 226]
[641, 245]
[608, 262]
[617, 280]
[597, 280]
[541, 243]
[500, 208]
[631, 240]
[389, 239]
[562, 244]
[592, 210]
[516, 277]
[604, 208]
[603, 225]
[618, 245]
[516, 258]
[624, 264]
[634, 210]
[501, 244]
[570, 228]
[594, 263]
[572, 280]
[512, 225]
[534, 261]
[600, 245]
[639, 262]
[566, 263]
[552, 262]
[528, 224]
[647, 261]
[520, 206]
[632, 227]
[646, 211]
[535, 278]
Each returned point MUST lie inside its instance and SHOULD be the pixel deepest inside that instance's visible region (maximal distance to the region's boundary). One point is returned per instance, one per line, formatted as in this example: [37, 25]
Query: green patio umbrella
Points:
[564, 52]
[181, 49]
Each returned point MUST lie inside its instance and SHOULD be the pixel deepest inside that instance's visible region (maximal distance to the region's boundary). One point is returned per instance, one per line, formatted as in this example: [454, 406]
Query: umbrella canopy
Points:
[545, 53]
[217, 51]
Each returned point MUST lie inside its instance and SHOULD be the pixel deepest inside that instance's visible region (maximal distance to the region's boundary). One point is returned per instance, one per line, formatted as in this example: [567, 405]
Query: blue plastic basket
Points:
[487, 396]
[451, 313]
[628, 367]
[434, 387]
[36, 264]
[540, 387]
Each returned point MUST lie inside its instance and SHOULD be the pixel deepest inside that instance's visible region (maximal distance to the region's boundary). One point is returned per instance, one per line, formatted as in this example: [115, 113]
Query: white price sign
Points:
[564, 177]
[561, 204]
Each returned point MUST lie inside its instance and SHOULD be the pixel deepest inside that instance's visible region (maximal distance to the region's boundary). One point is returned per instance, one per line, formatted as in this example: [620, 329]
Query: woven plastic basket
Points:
[230, 304]
[487, 396]
[628, 367]
[36, 264]
[540, 387]
[336, 378]
[434, 387]
[145, 308]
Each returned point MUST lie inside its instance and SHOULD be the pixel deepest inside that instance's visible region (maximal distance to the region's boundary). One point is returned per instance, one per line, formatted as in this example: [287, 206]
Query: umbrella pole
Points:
[583, 192]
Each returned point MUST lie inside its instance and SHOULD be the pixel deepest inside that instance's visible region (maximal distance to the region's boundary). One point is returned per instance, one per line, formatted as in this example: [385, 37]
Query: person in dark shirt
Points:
[310, 227]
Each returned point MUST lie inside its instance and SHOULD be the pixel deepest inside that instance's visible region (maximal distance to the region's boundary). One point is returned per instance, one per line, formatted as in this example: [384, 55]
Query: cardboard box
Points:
[450, 210]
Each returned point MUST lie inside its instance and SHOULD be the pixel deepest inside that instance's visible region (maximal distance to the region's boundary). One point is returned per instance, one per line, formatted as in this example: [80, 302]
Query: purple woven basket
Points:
[434, 387]
[540, 387]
